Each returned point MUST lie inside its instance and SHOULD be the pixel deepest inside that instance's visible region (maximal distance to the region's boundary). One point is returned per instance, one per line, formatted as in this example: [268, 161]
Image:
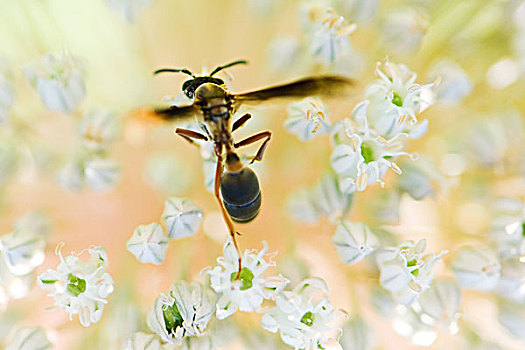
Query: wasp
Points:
[236, 186]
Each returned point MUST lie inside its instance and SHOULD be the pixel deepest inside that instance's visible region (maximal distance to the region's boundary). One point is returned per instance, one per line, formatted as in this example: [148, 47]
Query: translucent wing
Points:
[314, 86]
[174, 112]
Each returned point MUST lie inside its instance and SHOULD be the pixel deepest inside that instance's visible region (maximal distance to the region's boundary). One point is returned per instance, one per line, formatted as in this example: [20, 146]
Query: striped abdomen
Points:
[241, 194]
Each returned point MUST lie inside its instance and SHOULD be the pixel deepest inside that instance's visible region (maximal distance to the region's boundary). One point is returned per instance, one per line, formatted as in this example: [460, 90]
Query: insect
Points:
[236, 186]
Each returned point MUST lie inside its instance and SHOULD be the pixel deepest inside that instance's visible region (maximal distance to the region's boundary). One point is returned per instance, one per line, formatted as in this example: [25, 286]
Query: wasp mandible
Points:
[236, 186]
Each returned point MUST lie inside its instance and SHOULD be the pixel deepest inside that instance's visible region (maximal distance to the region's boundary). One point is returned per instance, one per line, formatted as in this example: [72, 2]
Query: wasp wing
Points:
[171, 113]
[175, 113]
[313, 86]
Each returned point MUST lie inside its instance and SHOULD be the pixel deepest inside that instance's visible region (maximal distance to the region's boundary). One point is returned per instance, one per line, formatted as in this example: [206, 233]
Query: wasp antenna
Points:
[172, 70]
[231, 64]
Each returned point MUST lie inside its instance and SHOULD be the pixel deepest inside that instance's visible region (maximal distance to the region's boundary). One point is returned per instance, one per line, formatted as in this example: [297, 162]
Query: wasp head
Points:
[190, 86]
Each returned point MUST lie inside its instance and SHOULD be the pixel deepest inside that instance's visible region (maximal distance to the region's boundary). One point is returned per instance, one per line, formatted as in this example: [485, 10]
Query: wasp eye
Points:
[187, 88]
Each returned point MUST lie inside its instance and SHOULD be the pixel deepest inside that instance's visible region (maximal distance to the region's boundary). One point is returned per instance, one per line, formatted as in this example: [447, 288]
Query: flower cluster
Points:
[59, 79]
[354, 241]
[30, 338]
[500, 266]
[181, 217]
[21, 251]
[302, 316]
[247, 292]
[367, 145]
[60, 82]
[80, 287]
[405, 271]
[323, 199]
[325, 41]
[90, 166]
[307, 118]
[183, 312]
[330, 38]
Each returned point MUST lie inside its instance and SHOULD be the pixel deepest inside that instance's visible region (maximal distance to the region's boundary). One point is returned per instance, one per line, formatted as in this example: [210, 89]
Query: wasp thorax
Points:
[209, 91]
[233, 163]
[240, 190]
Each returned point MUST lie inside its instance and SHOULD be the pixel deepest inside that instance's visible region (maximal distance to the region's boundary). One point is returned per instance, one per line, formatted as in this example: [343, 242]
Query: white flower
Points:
[101, 174]
[209, 167]
[330, 38]
[197, 343]
[357, 335]
[181, 217]
[324, 198]
[12, 286]
[354, 241]
[149, 244]
[143, 341]
[59, 80]
[307, 118]
[512, 317]
[476, 268]
[97, 173]
[455, 84]
[440, 304]
[78, 286]
[382, 301]
[302, 316]
[22, 251]
[487, 142]
[511, 284]
[30, 338]
[403, 30]
[129, 9]
[184, 312]
[393, 102]
[363, 156]
[405, 271]
[492, 141]
[420, 177]
[248, 291]
[507, 229]
[71, 175]
[407, 321]
[98, 129]
[301, 206]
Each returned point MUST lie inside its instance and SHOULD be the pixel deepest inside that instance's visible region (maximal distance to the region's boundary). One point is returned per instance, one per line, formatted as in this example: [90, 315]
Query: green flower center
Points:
[75, 286]
[367, 152]
[172, 317]
[246, 278]
[48, 281]
[308, 319]
[396, 99]
[413, 262]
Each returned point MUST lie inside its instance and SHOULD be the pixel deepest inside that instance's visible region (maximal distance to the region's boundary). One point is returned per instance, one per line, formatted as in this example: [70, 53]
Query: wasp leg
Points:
[255, 138]
[241, 121]
[225, 215]
[190, 135]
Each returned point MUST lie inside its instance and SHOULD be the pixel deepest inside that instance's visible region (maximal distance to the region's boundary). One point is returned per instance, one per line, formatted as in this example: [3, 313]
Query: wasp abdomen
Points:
[241, 194]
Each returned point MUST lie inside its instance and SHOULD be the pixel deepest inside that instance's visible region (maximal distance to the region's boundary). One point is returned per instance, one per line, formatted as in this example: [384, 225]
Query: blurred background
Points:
[472, 152]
